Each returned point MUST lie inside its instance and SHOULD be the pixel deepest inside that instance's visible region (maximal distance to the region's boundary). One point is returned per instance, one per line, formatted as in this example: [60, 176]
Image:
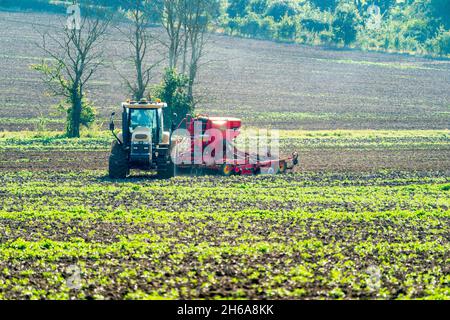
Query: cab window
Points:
[147, 118]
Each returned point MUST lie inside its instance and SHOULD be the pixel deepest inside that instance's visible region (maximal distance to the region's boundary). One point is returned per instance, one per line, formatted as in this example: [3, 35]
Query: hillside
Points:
[286, 86]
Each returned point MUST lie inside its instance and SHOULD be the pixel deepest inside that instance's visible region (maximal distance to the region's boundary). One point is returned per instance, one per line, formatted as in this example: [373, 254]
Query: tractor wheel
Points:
[118, 162]
[226, 170]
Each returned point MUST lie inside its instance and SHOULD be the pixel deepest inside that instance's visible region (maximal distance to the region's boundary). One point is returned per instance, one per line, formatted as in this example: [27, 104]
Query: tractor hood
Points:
[141, 134]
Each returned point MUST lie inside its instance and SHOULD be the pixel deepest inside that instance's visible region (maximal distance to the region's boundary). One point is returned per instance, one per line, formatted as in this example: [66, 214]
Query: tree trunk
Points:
[193, 67]
[192, 76]
[74, 117]
[139, 92]
[185, 49]
[172, 55]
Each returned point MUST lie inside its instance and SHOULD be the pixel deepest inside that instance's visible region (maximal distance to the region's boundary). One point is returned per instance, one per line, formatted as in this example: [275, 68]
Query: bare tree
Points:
[75, 55]
[140, 40]
[198, 15]
[186, 23]
[172, 16]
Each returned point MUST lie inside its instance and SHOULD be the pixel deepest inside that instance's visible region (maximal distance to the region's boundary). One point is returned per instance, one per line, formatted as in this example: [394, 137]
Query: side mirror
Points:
[111, 124]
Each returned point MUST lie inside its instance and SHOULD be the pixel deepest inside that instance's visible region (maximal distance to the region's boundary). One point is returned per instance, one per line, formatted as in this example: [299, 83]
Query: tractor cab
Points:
[143, 118]
[143, 143]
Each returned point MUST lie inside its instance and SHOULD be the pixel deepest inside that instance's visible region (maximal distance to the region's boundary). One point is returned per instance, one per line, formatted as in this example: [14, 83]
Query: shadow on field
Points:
[133, 178]
[148, 176]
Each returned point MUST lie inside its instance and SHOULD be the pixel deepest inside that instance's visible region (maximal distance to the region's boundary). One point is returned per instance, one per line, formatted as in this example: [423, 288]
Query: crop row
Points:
[261, 193]
[301, 179]
[295, 140]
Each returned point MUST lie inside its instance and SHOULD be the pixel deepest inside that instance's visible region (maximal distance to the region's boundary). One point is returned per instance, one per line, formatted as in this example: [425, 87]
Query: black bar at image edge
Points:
[225, 309]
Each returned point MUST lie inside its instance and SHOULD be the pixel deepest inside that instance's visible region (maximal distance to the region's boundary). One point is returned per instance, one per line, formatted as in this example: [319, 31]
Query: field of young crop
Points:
[306, 235]
[333, 229]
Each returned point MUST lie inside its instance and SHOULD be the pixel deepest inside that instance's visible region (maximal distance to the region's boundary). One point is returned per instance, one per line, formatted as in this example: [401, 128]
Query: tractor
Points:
[143, 143]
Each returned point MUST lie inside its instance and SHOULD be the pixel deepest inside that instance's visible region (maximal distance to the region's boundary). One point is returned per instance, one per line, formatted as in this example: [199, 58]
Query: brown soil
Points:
[335, 89]
[337, 160]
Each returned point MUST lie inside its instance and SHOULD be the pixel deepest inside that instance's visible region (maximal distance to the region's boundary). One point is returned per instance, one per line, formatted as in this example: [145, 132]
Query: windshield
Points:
[147, 118]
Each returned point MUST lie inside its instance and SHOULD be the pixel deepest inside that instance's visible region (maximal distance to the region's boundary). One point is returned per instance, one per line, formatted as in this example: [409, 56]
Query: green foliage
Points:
[254, 26]
[58, 6]
[345, 23]
[152, 8]
[233, 25]
[267, 27]
[326, 37]
[259, 6]
[412, 26]
[87, 116]
[440, 9]
[88, 113]
[237, 8]
[52, 75]
[415, 26]
[173, 90]
[278, 9]
[250, 25]
[287, 28]
[325, 4]
[417, 29]
[37, 5]
[314, 25]
[441, 44]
